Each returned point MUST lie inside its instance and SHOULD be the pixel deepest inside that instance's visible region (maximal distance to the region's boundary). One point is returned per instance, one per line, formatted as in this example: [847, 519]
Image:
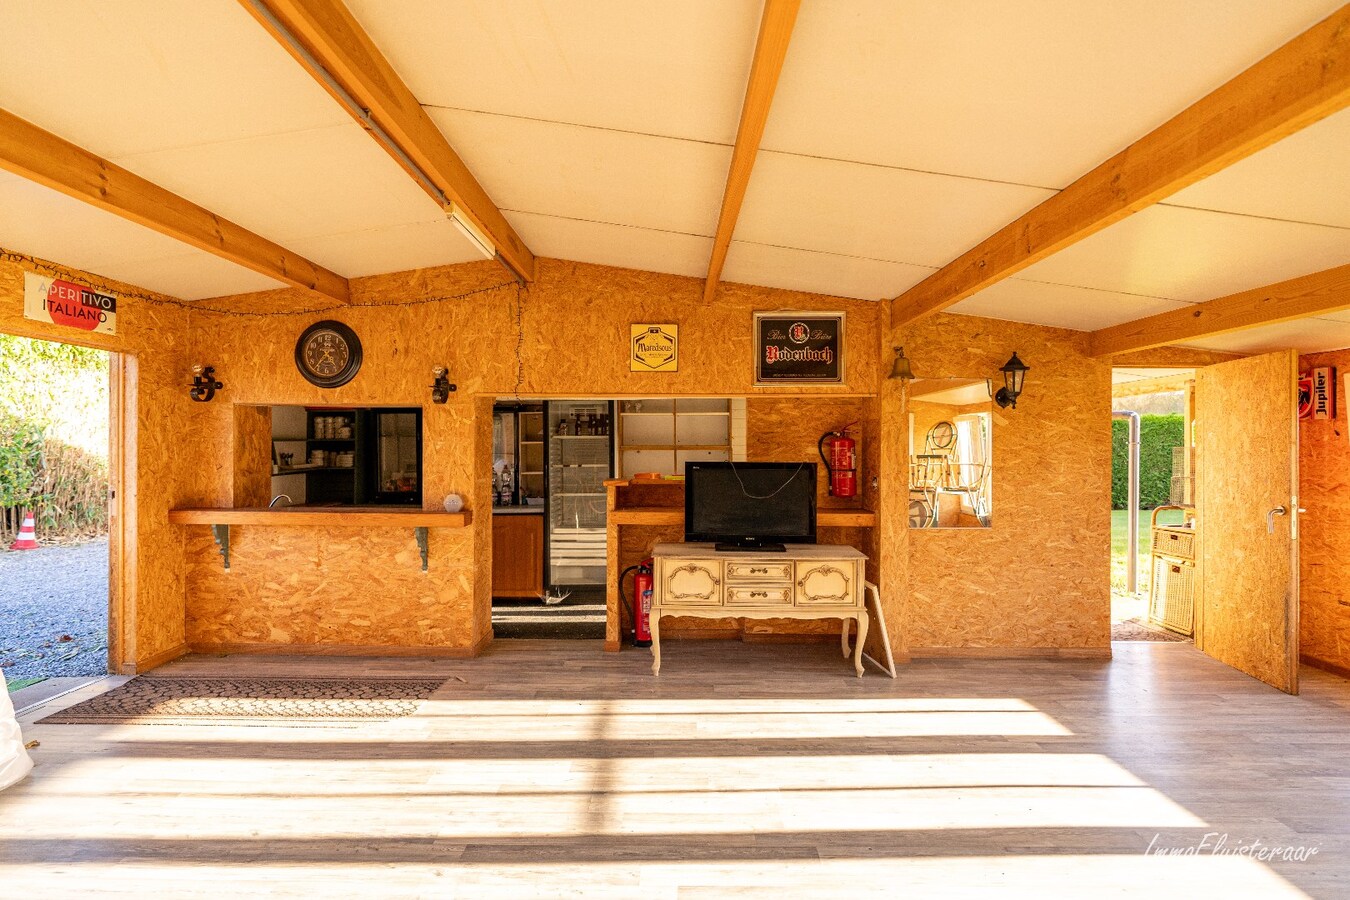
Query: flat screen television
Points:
[750, 506]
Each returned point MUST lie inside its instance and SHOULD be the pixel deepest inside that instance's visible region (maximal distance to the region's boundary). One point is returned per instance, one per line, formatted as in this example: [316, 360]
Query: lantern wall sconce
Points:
[1014, 374]
[204, 384]
[900, 368]
[441, 388]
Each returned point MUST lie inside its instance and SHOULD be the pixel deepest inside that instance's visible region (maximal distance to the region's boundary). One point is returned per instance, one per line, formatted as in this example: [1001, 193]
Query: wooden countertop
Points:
[674, 515]
[324, 516]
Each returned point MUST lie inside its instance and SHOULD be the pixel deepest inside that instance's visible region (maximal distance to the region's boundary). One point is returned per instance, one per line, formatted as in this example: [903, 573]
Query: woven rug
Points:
[1138, 630]
[151, 700]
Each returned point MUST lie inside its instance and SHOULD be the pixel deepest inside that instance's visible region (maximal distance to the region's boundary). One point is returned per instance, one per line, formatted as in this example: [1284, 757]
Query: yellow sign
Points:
[654, 348]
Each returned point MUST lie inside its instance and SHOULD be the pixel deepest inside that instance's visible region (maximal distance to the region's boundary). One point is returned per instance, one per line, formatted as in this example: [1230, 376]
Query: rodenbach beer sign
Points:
[66, 303]
[799, 348]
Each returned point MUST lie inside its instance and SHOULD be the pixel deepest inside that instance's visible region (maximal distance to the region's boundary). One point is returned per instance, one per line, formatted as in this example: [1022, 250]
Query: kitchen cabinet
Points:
[518, 555]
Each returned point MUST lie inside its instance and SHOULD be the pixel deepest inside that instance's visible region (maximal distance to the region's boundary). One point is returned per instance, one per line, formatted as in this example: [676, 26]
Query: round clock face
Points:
[328, 354]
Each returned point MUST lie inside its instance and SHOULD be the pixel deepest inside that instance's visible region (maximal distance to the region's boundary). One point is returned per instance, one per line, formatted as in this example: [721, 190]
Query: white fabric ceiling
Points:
[902, 132]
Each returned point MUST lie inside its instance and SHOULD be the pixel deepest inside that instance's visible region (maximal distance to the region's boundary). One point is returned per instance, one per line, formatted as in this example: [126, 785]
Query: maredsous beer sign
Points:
[47, 299]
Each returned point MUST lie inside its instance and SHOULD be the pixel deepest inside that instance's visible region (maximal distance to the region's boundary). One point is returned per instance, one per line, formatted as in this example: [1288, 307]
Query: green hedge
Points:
[1157, 435]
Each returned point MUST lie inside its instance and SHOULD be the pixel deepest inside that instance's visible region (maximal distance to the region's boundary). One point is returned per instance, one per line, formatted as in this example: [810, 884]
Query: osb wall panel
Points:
[482, 524]
[309, 587]
[780, 429]
[154, 335]
[252, 455]
[1171, 358]
[1324, 531]
[1039, 578]
[1245, 572]
[1324, 550]
[573, 339]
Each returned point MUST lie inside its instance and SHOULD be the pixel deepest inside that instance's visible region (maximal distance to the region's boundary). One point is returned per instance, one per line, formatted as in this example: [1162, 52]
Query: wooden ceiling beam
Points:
[40, 156]
[1308, 295]
[775, 31]
[325, 38]
[1303, 81]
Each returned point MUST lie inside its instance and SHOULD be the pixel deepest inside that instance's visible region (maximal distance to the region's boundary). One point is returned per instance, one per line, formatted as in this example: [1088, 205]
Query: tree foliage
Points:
[53, 437]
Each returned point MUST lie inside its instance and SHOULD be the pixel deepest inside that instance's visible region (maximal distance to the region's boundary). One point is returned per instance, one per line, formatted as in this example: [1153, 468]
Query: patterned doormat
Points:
[151, 700]
[1138, 630]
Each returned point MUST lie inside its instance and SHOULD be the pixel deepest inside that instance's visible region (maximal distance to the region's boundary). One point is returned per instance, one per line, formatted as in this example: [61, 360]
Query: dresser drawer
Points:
[759, 571]
[759, 595]
[827, 583]
[690, 582]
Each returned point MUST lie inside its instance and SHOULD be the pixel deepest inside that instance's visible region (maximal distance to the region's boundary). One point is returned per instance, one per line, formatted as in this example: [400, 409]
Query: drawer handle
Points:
[759, 593]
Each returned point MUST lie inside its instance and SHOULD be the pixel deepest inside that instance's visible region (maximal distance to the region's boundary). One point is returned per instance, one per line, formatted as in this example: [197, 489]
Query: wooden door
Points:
[1247, 448]
[517, 556]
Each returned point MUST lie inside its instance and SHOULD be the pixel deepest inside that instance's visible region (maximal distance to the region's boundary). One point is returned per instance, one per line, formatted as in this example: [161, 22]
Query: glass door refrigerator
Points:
[518, 472]
[580, 458]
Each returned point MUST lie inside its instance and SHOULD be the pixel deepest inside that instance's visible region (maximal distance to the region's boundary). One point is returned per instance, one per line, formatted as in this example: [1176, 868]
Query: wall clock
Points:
[328, 354]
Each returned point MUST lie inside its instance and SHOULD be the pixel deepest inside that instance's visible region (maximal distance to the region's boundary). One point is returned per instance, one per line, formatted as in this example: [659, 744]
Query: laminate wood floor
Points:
[552, 769]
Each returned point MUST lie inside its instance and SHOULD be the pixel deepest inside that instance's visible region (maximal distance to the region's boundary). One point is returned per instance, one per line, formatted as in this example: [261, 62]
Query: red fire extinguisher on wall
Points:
[840, 454]
[642, 602]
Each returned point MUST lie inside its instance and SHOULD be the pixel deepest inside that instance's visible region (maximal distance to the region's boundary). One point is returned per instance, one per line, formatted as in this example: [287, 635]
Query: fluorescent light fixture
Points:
[472, 232]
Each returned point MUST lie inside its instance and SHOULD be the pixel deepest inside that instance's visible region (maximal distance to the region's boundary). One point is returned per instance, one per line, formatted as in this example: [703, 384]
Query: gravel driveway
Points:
[50, 594]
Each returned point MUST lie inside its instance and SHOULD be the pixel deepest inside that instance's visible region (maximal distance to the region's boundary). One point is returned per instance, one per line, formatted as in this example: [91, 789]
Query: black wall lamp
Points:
[204, 384]
[441, 388]
[1014, 374]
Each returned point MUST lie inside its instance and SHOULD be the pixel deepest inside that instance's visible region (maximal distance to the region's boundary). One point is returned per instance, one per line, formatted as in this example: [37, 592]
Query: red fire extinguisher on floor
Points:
[840, 454]
[641, 609]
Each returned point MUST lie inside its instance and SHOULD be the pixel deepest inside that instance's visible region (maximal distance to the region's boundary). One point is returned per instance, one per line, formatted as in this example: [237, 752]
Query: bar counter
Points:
[323, 516]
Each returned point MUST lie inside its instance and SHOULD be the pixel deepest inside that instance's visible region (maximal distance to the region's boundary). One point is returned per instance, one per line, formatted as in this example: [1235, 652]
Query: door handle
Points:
[1270, 517]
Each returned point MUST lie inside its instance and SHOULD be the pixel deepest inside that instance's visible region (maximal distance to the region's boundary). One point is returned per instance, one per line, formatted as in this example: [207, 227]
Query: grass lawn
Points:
[19, 683]
[1120, 535]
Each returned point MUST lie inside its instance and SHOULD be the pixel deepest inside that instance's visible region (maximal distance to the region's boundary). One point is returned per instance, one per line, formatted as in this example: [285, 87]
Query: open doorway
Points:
[550, 462]
[55, 426]
[1153, 517]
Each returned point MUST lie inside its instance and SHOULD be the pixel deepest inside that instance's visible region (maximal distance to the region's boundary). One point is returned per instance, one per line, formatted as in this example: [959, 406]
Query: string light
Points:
[520, 338]
[44, 268]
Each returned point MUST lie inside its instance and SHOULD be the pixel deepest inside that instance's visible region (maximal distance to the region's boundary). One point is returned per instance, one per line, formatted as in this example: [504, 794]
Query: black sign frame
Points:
[777, 340]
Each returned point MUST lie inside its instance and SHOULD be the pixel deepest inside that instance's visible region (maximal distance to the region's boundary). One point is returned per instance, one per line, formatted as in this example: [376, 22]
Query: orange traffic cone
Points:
[27, 539]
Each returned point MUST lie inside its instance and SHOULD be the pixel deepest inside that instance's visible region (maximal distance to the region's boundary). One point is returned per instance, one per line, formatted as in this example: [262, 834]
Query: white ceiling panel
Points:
[1060, 306]
[1342, 316]
[1029, 91]
[1303, 335]
[674, 69]
[590, 173]
[613, 245]
[299, 184]
[134, 76]
[1303, 178]
[394, 248]
[48, 224]
[190, 275]
[1193, 255]
[876, 212]
[820, 273]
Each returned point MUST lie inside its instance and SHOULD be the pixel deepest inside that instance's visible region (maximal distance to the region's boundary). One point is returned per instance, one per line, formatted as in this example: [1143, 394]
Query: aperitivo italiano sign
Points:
[799, 348]
[59, 302]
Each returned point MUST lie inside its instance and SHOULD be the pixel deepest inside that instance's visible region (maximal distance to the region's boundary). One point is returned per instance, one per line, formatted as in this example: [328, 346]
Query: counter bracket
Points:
[222, 535]
[420, 534]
